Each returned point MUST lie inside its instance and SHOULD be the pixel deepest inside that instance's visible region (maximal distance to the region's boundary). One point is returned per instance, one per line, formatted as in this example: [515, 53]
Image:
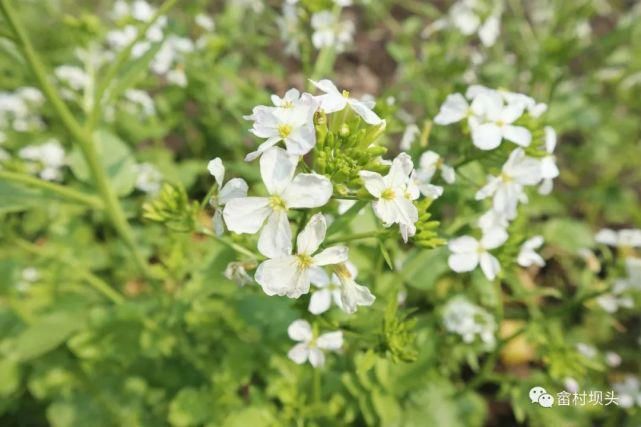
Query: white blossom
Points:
[233, 189]
[497, 122]
[342, 290]
[628, 391]
[527, 254]
[74, 77]
[291, 275]
[237, 272]
[46, 159]
[286, 191]
[628, 237]
[469, 321]
[291, 121]
[330, 32]
[310, 347]
[148, 179]
[430, 162]
[507, 188]
[205, 22]
[468, 253]
[333, 101]
[394, 194]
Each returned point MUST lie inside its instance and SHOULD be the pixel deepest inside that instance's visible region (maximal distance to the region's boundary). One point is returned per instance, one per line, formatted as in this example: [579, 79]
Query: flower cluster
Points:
[315, 149]
[45, 160]
[470, 17]
[18, 109]
[470, 321]
[492, 117]
[328, 29]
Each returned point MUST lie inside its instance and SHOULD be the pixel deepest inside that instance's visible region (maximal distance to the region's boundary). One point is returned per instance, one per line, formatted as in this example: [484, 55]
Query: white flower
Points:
[454, 109]
[465, 15]
[507, 188]
[586, 350]
[497, 122]
[290, 33]
[342, 290]
[291, 122]
[622, 238]
[141, 99]
[628, 391]
[48, 159]
[305, 190]
[549, 169]
[233, 189]
[333, 101]
[430, 162]
[205, 22]
[527, 254]
[394, 193]
[72, 76]
[311, 347]
[468, 253]
[148, 179]
[493, 219]
[291, 275]
[469, 321]
[409, 135]
[612, 359]
[142, 11]
[330, 32]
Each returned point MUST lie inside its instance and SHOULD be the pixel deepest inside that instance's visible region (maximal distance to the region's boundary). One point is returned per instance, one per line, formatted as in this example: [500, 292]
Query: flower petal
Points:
[316, 357]
[486, 136]
[308, 190]
[373, 182]
[320, 301]
[299, 353]
[369, 116]
[277, 169]
[518, 135]
[463, 262]
[217, 170]
[490, 265]
[282, 276]
[463, 244]
[330, 341]
[233, 189]
[454, 109]
[493, 238]
[310, 238]
[300, 330]
[332, 255]
[246, 214]
[276, 238]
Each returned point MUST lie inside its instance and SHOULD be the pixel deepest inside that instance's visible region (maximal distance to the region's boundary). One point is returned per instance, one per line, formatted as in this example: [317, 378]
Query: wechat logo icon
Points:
[540, 395]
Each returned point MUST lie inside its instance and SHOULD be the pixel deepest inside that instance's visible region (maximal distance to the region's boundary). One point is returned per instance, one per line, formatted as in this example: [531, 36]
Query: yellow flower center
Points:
[287, 104]
[500, 123]
[304, 261]
[388, 194]
[284, 130]
[505, 177]
[277, 203]
[346, 93]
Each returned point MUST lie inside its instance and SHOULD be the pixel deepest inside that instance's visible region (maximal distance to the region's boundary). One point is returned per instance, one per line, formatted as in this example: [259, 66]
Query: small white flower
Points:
[304, 191]
[290, 31]
[571, 385]
[454, 109]
[622, 238]
[586, 350]
[497, 122]
[430, 162]
[311, 347]
[628, 391]
[340, 289]
[291, 122]
[469, 321]
[394, 194]
[507, 188]
[291, 275]
[234, 188]
[329, 31]
[72, 76]
[205, 22]
[333, 101]
[612, 359]
[493, 219]
[409, 135]
[142, 99]
[148, 179]
[468, 253]
[527, 254]
[48, 159]
[142, 11]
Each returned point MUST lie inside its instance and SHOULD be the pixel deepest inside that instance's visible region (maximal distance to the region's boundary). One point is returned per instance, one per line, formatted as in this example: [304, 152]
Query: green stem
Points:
[235, 246]
[357, 236]
[85, 140]
[57, 189]
[317, 386]
[121, 59]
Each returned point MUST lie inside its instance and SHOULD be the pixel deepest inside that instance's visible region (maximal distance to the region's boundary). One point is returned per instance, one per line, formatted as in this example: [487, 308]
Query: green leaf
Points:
[47, 333]
[424, 267]
[115, 156]
[190, 407]
[16, 198]
[569, 234]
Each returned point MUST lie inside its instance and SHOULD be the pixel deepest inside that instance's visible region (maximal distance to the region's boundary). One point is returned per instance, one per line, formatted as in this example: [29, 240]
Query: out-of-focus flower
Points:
[333, 101]
[468, 253]
[330, 32]
[47, 160]
[527, 254]
[233, 189]
[148, 179]
[469, 321]
[310, 347]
